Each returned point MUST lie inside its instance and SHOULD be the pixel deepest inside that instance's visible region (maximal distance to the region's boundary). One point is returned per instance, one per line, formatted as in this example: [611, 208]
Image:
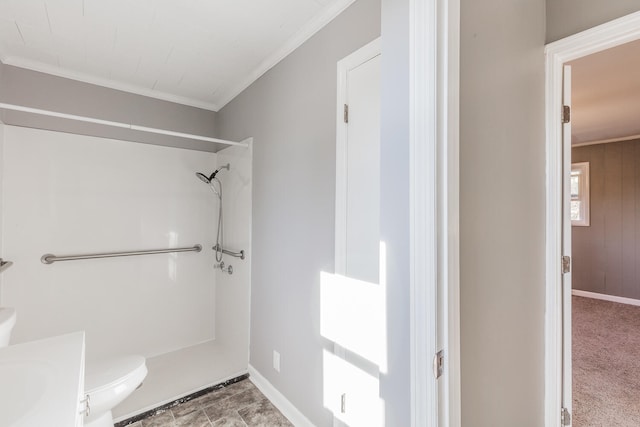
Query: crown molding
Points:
[606, 141]
[104, 82]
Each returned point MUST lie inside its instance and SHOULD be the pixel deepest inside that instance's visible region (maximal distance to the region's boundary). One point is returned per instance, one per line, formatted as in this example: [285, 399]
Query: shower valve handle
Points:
[224, 269]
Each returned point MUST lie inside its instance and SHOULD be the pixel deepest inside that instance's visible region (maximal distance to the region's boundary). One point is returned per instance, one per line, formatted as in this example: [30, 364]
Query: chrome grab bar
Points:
[228, 252]
[50, 258]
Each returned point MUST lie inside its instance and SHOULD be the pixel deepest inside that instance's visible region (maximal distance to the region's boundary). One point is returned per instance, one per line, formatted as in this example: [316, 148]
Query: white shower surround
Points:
[73, 194]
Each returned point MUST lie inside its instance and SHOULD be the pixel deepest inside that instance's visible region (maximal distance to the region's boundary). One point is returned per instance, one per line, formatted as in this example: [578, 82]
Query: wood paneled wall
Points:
[606, 253]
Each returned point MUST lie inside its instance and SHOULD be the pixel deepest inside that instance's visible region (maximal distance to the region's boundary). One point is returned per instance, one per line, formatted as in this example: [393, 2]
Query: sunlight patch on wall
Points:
[353, 316]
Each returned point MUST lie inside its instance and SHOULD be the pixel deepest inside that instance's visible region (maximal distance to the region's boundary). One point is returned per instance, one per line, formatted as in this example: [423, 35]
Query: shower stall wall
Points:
[212, 362]
[71, 194]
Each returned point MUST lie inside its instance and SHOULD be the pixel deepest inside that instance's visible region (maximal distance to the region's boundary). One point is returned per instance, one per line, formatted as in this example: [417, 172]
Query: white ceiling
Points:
[606, 95]
[196, 52]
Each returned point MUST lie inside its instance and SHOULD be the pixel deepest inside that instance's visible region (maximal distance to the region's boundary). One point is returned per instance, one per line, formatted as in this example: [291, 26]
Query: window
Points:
[580, 194]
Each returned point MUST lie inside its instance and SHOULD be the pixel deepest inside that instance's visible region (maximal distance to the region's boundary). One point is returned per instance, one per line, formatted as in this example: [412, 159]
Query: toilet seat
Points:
[109, 372]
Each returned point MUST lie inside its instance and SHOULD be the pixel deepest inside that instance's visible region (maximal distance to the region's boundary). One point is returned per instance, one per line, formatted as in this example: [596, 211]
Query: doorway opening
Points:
[591, 227]
[605, 246]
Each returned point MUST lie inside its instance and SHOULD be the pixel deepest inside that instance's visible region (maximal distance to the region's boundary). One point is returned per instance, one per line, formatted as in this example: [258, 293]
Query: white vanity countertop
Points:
[41, 382]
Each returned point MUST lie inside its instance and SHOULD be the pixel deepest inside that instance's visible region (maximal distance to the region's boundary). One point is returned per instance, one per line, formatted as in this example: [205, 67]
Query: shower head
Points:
[204, 178]
[208, 179]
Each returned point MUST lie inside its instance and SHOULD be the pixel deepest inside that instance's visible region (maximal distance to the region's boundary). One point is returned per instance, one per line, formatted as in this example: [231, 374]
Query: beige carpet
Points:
[606, 363]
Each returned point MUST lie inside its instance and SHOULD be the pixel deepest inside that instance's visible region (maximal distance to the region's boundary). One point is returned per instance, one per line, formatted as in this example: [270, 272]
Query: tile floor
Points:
[238, 405]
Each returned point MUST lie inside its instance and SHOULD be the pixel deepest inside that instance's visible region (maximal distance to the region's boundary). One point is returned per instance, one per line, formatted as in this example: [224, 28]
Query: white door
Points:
[566, 246]
[358, 165]
[353, 300]
[362, 152]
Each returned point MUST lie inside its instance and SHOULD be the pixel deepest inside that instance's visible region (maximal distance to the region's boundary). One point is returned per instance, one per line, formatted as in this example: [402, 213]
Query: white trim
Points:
[553, 231]
[605, 297]
[606, 141]
[287, 408]
[594, 40]
[450, 204]
[138, 128]
[566, 278]
[423, 224]
[434, 204]
[105, 82]
[331, 11]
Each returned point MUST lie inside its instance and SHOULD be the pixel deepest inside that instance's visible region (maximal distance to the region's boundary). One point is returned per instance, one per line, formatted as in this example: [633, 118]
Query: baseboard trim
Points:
[612, 298]
[282, 403]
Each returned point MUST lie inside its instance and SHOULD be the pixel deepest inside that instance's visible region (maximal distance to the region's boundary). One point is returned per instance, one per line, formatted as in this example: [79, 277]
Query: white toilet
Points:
[107, 383]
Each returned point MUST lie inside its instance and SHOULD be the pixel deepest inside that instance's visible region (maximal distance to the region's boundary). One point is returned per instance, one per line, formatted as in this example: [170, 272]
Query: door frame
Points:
[596, 39]
[434, 52]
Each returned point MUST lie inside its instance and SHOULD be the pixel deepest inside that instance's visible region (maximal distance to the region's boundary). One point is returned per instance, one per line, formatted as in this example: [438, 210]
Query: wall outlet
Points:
[276, 361]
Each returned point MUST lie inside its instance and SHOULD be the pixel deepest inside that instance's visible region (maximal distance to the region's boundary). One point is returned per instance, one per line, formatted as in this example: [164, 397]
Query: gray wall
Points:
[502, 176]
[39, 90]
[290, 112]
[567, 17]
[605, 254]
